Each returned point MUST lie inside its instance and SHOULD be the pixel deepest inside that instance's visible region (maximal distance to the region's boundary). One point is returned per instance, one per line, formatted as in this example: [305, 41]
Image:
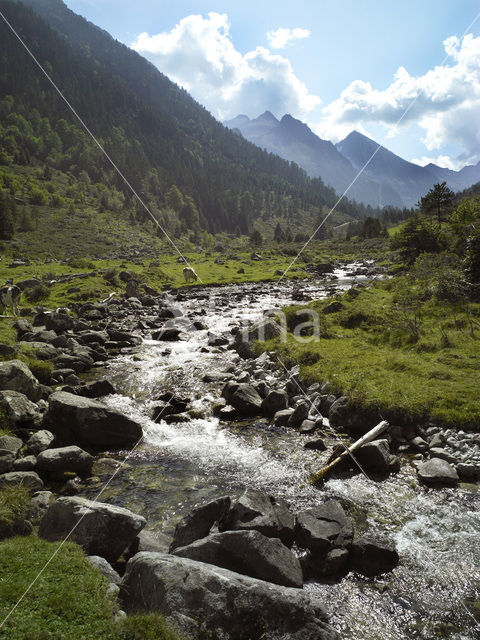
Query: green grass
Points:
[67, 602]
[14, 502]
[370, 352]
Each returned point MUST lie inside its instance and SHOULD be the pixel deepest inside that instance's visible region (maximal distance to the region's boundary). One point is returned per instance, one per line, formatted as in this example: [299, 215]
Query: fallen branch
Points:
[321, 475]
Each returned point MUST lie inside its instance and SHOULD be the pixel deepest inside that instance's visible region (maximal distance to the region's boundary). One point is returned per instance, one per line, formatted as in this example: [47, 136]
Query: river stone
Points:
[105, 569]
[29, 479]
[309, 426]
[102, 529]
[324, 565]
[96, 389]
[257, 510]
[437, 471]
[265, 329]
[58, 322]
[170, 334]
[300, 413]
[374, 456]
[16, 376]
[198, 523]
[246, 400]
[11, 443]
[372, 558]
[274, 401]
[39, 441]
[281, 418]
[249, 553]
[231, 606]
[323, 527]
[18, 409]
[7, 458]
[89, 423]
[315, 445]
[468, 472]
[65, 459]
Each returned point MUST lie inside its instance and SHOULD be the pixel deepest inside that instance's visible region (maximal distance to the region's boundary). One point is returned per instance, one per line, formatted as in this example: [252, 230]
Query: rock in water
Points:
[89, 423]
[194, 596]
[102, 530]
[199, 521]
[371, 558]
[249, 553]
[437, 471]
[246, 400]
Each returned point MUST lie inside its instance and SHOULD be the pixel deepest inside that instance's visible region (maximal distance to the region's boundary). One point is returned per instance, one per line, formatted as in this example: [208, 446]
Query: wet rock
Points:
[315, 445]
[468, 472]
[40, 441]
[65, 459]
[16, 376]
[324, 565]
[274, 401]
[246, 400]
[105, 569]
[96, 389]
[323, 527]
[102, 530]
[18, 409]
[11, 443]
[281, 418]
[229, 603]
[89, 423]
[437, 471]
[169, 334]
[308, 427]
[300, 413]
[199, 522]
[372, 558]
[29, 479]
[375, 456]
[249, 553]
[257, 510]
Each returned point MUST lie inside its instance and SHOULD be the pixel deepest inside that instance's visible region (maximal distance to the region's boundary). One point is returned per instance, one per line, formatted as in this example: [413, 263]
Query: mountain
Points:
[410, 180]
[293, 140]
[156, 132]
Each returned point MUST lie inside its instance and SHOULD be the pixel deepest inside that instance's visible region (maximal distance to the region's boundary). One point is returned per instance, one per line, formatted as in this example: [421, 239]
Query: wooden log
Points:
[321, 475]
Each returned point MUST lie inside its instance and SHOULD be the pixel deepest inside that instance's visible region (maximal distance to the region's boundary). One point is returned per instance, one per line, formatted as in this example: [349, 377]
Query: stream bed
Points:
[433, 593]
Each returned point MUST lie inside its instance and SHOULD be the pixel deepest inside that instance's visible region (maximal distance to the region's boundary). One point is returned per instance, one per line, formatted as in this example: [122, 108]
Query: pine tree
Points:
[438, 202]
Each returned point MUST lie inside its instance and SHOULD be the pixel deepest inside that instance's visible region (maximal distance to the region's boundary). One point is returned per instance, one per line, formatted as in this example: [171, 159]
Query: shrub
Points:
[81, 263]
[150, 626]
[36, 293]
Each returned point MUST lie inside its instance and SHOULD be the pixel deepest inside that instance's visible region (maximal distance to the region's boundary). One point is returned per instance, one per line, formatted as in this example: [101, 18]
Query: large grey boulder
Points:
[249, 553]
[16, 376]
[105, 568]
[18, 409]
[437, 471]
[375, 456]
[323, 527]
[299, 414]
[372, 558]
[39, 441]
[274, 401]
[196, 597]
[89, 423]
[246, 400]
[256, 510]
[11, 443]
[265, 329]
[71, 458]
[28, 479]
[101, 529]
[198, 523]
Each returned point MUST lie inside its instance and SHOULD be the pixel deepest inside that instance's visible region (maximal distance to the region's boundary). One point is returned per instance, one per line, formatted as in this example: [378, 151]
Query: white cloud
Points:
[440, 161]
[444, 102]
[199, 55]
[281, 37]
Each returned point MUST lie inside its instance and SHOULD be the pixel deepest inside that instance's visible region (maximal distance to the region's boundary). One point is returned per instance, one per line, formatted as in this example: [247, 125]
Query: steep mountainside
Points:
[158, 135]
[293, 140]
[410, 180]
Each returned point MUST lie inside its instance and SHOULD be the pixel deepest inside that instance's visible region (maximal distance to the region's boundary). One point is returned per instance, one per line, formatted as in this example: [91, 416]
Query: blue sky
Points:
[338, 66]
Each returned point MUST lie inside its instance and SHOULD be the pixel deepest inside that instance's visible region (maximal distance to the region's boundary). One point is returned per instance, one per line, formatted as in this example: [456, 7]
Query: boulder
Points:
[18, 409]
[11, 443]
[261, 512]
[41, 350]
[58, 322]
[374, 456]
[300, 413]
[265, 329]
[281, 418]
[309, 426]
[170, 334]
[7, 458]
[246, 400]
[249, 553]
[372, 558]
[29, 479]
[274, 401]
[105, 569]
[323, 527]
[329, 565]
[315, 445]
[95, 389]
[230, 606]
[65, 459]
[199, 522]
[437, 471]
[89, 423]
[101, 529]
[27, 463]
[40, 441]
[16, 376]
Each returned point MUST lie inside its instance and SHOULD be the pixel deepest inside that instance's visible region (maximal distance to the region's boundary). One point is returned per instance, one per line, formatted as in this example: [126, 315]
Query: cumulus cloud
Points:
[199, 55]
[441, 161]
[279, 38]
[444, 102]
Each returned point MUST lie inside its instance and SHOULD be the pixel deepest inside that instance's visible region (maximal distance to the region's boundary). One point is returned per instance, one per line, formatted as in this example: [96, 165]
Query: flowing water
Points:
[433, 593]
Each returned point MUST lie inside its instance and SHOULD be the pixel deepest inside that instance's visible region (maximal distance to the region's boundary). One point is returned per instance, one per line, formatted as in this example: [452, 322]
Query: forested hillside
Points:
[192, 172]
